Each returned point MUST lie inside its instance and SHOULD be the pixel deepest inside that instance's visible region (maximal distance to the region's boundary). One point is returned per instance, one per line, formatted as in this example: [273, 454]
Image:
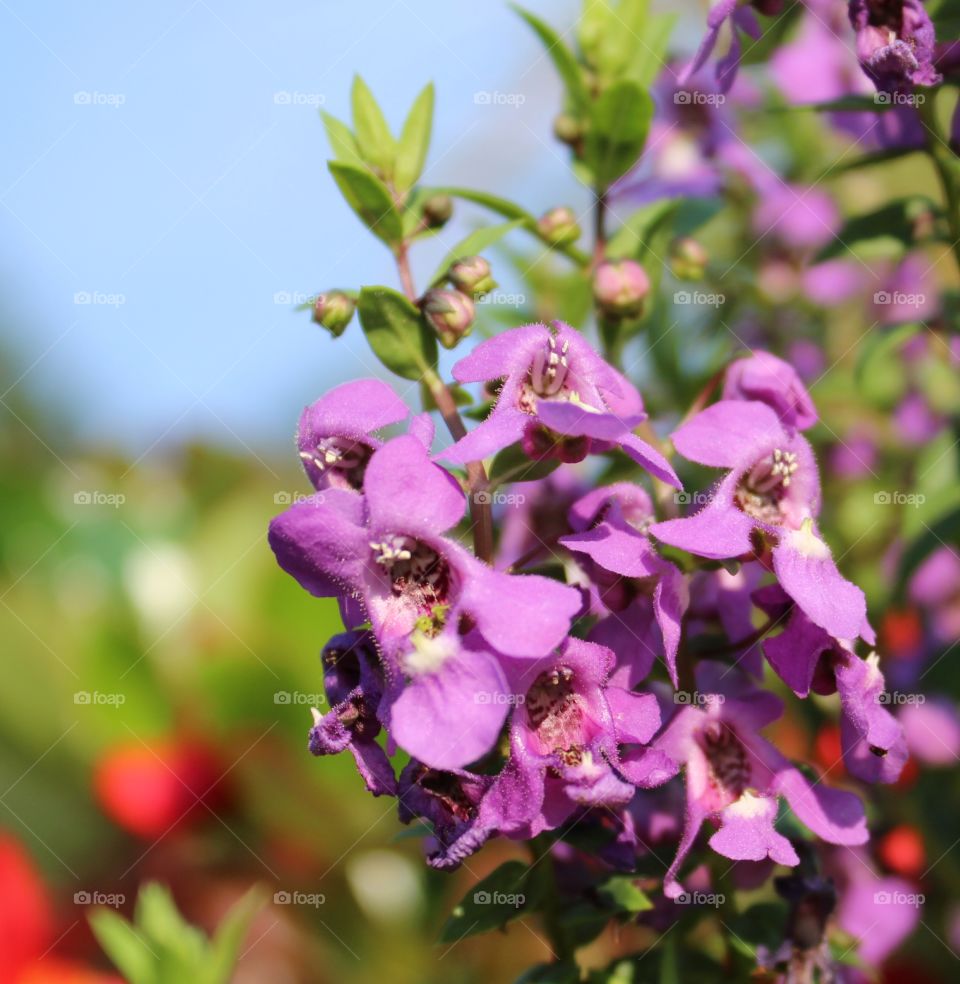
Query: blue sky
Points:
[153, 172]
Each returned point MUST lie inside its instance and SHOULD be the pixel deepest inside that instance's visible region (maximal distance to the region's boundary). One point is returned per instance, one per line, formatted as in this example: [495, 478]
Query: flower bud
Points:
[559, 226]
[688, 259]
[621, 287]
[471, 276]
[437, 210]
[333, 310]
[567, 129]
[450, 313]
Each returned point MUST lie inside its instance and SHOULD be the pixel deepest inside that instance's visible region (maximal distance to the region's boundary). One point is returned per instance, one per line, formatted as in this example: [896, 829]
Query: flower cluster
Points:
[526, 700]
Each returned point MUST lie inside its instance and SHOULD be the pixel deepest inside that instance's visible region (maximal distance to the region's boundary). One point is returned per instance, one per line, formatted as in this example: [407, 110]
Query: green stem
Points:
[946, 165]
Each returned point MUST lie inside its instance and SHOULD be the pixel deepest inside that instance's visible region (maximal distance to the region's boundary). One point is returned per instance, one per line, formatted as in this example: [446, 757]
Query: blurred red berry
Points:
[901, 631]
[26, 919]
[828, 750]
[147, 790]
[902, 851]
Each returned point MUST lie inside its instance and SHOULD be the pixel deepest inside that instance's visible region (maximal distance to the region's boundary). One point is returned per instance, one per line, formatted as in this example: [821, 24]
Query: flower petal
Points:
[729, 433]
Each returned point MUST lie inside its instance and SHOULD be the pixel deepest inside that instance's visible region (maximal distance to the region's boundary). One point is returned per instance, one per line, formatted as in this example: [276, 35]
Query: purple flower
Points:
[566, 734]
[610, 527]
[741, 17]
[801, 217]
[734, 777]
[386, 549]
[557, 396]
[335, 435]
[354, 685]
[762, 376]
[932, 730]
[895, 43]
[771, 487]
[806, 658]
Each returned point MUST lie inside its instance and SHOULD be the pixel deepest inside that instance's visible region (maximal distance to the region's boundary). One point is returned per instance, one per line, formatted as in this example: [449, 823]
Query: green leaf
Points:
[888, 229]
[476, 242]
[369, 197]
[622, 893]
[504, 895]
[513, 465]
[129, 953]
[564, 972]
[620, 119]
[225, 946]
[396, 332]
[374, 138]
[880, 343]
[414, 141]
[563, 60]
[629, 240]
[342, 142]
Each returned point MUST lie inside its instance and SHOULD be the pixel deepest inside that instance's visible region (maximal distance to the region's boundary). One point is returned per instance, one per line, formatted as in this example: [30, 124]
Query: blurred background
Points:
[164, 206]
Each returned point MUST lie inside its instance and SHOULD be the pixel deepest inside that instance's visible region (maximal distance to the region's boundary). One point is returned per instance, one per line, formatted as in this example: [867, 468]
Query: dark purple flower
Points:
[895, 43]
[557, 396]
[610, 525]
[336, 438]
[386, 549]
[772, 486]
[762, 376]
[808, 659]
[734, 777]
[354, 685]
[741, 17]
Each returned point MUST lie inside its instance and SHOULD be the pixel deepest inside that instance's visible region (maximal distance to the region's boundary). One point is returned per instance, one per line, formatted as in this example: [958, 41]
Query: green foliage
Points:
[373, 135]
[397, 333]
[619, 122]
[370, 198]
[564, 61]
[887, 230]
[476, 242]
[507, 893]
[160, 947]
[415, 141]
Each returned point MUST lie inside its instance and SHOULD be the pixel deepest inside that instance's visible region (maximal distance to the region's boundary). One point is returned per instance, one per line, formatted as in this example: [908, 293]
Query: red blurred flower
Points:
[902, 851]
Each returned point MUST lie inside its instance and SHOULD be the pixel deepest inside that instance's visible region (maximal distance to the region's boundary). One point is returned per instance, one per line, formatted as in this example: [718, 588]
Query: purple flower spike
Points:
[612, 528]
[772, 486]
[385, 548]
[740, 18]
[895, 43]
[334, 435]
[764, 377]
[354, 687]
[558, 397]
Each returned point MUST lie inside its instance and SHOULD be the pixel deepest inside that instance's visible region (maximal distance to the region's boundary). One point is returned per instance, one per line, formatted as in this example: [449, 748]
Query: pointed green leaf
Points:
[129, 953]
[881, 342]
[476, 242]
[342, 142]
[374, 138]
[505, 894]
[414, 141]
[225, 947]
[563, 59]
[622, 893]
[396, 332]
[618, 130]
[370, 198]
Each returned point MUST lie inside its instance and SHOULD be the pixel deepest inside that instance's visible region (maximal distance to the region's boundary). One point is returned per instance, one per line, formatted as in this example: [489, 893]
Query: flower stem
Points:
[948, 171]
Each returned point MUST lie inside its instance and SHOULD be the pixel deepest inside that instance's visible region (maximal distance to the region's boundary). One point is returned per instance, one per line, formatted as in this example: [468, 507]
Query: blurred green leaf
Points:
[621, 893]
[563, 59]
[129, 953]
[370, 198]
[396, 332]
[374, 138]
[513, 465]
[226, 943]
[880, 343]
[619, 122]
[888, 229]
[342, 142]
[504, 895]
[414, 141]
[476, 242]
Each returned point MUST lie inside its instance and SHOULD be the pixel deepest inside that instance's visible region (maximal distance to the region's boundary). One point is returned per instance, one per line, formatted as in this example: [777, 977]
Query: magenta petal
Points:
[353, 410]
[747, 833]
[728, 433]
[453, 716]
[807, 572]
[717, 531]
[651, 459]
[880, 913]
[423, 429]
[577, 421]
[407, 493]
[374, 768]
[617, 547]
[636, 717]
[670, 600]
[501, 429]
[794, 653]
[499, 356]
